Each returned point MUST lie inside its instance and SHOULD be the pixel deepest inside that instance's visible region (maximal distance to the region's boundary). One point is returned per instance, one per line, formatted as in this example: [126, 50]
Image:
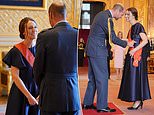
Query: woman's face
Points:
[31, 30]
[120, 35]
[81, 40]
[129, 17]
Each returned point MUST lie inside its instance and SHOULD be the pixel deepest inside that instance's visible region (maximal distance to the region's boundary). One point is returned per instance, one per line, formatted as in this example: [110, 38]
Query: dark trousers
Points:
[80, 57]
[97, 81]
[108, 63]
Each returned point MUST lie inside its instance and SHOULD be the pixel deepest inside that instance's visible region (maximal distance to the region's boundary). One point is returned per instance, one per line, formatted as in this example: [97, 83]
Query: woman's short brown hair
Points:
[134, 12]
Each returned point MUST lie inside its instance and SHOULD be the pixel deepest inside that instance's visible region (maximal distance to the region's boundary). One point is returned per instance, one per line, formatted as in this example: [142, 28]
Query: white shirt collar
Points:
[111, 14]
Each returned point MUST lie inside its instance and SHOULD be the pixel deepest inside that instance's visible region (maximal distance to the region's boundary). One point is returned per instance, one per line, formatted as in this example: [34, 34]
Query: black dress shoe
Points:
[88, 106]
[106, 110]
[135, 108]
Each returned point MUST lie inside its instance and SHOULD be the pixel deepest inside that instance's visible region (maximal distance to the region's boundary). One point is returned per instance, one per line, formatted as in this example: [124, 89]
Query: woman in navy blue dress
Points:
[22, 98]
[134, 86]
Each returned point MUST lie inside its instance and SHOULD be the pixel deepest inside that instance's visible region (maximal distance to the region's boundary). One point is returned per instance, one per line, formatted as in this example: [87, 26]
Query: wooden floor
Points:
[148, 106]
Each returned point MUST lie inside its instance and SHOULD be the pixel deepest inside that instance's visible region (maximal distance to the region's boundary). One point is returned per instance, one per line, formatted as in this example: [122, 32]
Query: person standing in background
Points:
[81, 46]
[119, 54]
[55, 66]
[21, 100]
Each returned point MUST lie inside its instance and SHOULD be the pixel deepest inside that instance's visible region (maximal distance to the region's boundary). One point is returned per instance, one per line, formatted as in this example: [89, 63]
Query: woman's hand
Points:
[132, 52]
[32, 100]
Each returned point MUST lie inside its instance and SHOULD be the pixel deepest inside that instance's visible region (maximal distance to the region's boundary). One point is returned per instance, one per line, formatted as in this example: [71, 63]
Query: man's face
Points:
[119, 14]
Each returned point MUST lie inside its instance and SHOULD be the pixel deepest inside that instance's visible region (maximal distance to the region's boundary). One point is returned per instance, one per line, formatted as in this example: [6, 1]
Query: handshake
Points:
[131, 43]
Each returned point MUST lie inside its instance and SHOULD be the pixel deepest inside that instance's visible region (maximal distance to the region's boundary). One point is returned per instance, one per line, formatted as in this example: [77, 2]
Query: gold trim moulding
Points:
[43, 7]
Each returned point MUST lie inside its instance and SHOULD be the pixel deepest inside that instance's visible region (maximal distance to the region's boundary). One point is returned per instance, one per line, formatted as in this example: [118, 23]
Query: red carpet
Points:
[94, 112]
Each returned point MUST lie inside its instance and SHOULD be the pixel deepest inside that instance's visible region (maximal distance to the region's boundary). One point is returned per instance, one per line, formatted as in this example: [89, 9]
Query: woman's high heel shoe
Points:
[135, 108]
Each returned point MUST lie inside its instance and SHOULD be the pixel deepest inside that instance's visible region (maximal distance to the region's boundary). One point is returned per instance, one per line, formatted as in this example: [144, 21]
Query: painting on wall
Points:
[24, 4]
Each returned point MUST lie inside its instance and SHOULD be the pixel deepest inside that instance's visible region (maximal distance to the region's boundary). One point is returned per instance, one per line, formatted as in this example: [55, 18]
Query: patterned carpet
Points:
[113, 90]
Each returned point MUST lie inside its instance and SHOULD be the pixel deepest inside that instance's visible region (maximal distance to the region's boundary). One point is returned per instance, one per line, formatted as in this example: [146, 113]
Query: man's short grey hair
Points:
[118, 6]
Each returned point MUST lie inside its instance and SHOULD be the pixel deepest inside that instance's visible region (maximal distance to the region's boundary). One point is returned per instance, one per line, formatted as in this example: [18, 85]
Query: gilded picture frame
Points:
[24, 4]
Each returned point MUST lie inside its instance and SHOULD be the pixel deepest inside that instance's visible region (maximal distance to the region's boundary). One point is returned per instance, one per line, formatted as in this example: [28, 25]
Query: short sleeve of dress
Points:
[14, 58]
[146, 48]
[140, 28]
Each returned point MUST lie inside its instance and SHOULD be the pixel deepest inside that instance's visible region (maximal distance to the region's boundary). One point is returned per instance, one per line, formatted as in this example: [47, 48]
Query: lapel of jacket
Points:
[109, 13]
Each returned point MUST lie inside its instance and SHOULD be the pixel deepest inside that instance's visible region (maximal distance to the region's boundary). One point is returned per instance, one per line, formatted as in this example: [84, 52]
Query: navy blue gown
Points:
[134, 84]
[17, 102]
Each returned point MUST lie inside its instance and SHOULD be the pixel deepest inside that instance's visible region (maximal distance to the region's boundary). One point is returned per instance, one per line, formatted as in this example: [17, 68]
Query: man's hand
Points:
[38, 98]
[131, 44]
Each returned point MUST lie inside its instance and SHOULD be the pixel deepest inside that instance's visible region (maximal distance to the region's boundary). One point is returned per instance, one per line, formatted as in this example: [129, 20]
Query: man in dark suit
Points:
[55, 66]
[97, 52]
